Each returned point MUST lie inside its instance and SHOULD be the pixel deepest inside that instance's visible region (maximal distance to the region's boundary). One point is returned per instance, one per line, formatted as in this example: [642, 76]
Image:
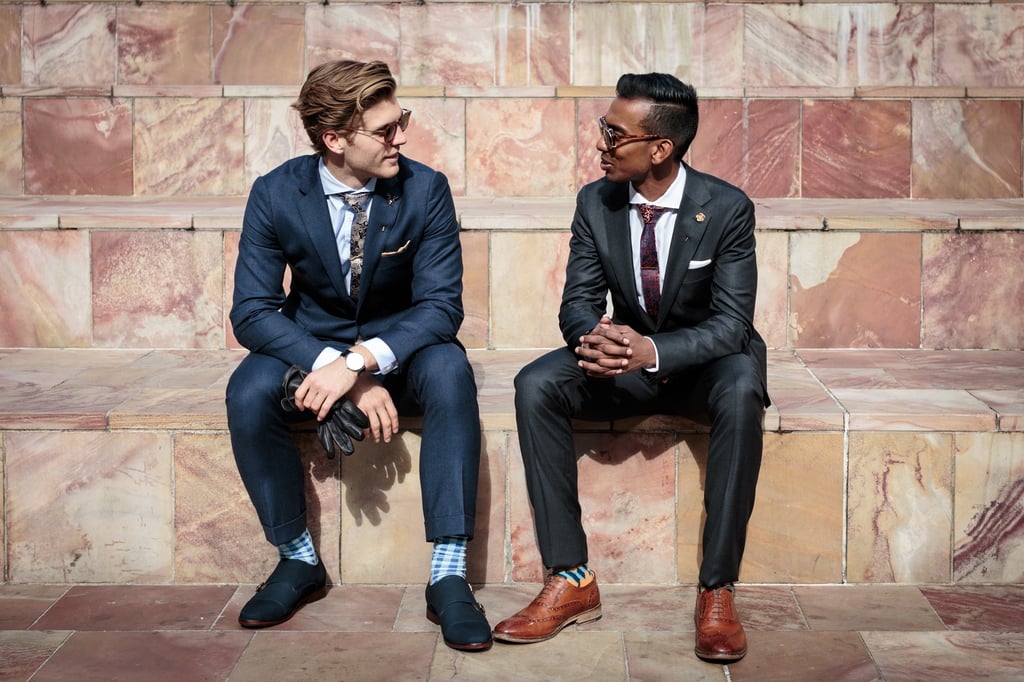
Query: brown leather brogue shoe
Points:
[720, 635]
[559, 604]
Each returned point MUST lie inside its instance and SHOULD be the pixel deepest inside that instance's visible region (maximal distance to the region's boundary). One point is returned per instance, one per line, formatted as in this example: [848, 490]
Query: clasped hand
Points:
[610, 349]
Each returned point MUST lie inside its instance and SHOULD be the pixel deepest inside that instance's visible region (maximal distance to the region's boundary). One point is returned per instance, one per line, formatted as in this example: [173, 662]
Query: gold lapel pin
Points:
[699, 217]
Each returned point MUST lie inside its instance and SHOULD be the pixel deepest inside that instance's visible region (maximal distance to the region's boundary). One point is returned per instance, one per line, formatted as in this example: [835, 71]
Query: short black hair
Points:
[673, 114]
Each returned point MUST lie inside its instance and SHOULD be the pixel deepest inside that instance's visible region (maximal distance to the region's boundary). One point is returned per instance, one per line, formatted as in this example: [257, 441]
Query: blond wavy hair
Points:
[336, 94]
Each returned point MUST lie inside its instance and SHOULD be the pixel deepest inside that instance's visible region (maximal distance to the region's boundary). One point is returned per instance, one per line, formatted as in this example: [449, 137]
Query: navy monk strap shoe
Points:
[292, 584]
[451, 604]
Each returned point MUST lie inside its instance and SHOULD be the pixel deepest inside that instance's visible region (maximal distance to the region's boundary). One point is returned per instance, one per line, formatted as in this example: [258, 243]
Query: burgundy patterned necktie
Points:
[650, 277]
[355, 202]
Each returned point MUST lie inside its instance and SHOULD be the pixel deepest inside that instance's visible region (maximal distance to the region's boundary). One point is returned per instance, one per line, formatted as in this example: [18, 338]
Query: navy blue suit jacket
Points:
[709, 285]
[411, 286]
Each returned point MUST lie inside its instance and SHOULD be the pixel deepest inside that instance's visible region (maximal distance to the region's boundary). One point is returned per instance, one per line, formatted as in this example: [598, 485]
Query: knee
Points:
[739, 399]
[443, 373]
[251, 393]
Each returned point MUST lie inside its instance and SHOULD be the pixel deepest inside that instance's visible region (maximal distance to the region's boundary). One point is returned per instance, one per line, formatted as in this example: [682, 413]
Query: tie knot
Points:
[354, 199]
[650, 213]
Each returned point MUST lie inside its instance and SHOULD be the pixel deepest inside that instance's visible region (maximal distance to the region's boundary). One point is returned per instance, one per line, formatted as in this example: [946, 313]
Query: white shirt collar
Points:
[332, 185]
[672, 198]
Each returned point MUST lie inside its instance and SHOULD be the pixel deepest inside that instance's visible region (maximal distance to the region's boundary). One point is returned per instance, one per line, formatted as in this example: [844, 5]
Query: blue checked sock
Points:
[301, 548]
[449, 557]
[576, 575]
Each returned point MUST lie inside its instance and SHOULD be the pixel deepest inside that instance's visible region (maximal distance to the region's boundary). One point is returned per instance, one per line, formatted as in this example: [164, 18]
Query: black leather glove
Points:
[344, 422]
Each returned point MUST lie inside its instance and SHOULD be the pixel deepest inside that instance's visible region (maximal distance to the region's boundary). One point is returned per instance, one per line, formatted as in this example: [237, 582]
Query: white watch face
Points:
[355, 362]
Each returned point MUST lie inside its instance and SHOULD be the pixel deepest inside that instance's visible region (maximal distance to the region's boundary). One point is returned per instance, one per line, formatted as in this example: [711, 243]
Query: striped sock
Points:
[449, 557]
[580, 576]
[301, 548]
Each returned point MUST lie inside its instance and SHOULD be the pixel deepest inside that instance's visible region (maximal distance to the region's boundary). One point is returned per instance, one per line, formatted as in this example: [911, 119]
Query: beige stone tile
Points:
[371, 33]
[532, 44]
[185, 312]
[344, 609]
[527, 266]
[485, 556]
[163, 44]
[855, 148]
[785, 45]
[89, 507]
[795, 531]
[10, 35]
[69, 44]
[907, 656]
[11, 156]
[771, 317]
[44, 280]
[447, 44]
[988, 543]
[475, 330]
[530, 156]
[258, 44]
[572, 655]
[437, 137]
[914, 410]
[804, 657]
[900, 508]
[667, 656]
[973, 45]
[627, 493]
[642, 608]
[989, 263]
[855, 290]
[189, 146]
[78, 146]
[866, 607]
[273, 134]
[382, 532]
[957, 152]
[1008, 404]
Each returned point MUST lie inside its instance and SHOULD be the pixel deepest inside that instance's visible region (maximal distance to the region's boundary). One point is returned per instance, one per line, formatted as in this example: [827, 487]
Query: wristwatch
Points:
[355, 362]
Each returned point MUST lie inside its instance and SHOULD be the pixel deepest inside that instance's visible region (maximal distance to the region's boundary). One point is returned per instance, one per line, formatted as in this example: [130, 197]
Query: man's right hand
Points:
[323, 387]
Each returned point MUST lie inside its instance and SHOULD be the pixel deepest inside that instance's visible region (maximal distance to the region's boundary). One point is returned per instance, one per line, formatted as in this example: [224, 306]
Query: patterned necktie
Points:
[650, 278]
[355, 202]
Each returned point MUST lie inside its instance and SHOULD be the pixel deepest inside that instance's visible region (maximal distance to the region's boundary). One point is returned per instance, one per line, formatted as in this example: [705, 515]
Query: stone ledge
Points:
[812, 390]
[517, 213]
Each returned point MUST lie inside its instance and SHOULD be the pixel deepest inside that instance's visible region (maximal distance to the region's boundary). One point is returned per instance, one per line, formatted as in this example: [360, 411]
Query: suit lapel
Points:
[620, 247]
[383, 212]
[692, 221]
[316, 220]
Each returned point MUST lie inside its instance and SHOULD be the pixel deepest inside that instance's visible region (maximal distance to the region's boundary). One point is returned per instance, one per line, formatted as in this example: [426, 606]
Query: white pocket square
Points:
[694, 264]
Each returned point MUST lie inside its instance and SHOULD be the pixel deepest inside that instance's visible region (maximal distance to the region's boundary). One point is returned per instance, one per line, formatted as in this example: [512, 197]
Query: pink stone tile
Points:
[532, 44]
[866, 607]
[486, 560]
[136, 607]
[976, 45]
[437, 137]
[988, 534]
[445, 44]
[78, 146]
[753, 144]
[666, 656]
[795, 532]
[981, 607]
[588, 158]
[909, 656]
[880, 409]
[535, 326]
[475, 329]
[154, 656]
[230, 260]
[856, 149]
[900, 502]
[163, 44]
[631, 608]
[786, 45]
[371, 33]
[716, 54]
[186, 312]
[802, 403]
[89, 507]
[519, 160]
[627, 492]
[188, 146]
[803, 657]
[971, 290]
[69, 44]
[966, 149]
[769, 608]
[348, 609]
[851, 289]
[887, 45]
[258, 44]
[1008, 404]
[11, 156]
[24, 652]
[23, 604]
[44, 287]
[10, 35]
[771, 316]
[273, 134]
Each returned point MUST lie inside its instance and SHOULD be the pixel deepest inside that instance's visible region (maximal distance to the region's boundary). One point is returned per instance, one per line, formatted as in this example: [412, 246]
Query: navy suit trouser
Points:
[727, 393]
[437, 383]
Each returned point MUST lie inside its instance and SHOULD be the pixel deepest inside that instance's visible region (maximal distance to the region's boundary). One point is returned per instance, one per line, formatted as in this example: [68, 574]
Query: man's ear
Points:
[663, 151]
[334, 141]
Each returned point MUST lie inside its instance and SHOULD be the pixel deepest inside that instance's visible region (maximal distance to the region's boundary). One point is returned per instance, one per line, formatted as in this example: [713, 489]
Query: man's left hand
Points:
[612, 349]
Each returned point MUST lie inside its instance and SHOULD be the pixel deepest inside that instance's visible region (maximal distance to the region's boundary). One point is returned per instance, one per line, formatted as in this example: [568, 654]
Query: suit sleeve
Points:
[256, 317]
[729, 325]
[585, 295]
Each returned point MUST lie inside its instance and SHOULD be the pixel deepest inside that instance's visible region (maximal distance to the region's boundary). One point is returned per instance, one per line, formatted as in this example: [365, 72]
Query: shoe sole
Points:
[256, 624]
[461, 646]
[580, 618]
[719, 657]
